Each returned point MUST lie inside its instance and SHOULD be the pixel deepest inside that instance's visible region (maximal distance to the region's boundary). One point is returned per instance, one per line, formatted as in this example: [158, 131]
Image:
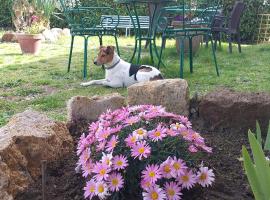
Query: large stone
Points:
[82, 108]
[229, 109]
[9, 37]
[171, 93]
[28, 138]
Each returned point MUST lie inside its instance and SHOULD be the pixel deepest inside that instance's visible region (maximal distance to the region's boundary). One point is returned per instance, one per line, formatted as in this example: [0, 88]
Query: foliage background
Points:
[249, 21]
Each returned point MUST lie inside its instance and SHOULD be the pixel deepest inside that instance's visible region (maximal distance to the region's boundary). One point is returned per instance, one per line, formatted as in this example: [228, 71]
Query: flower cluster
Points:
[147, 135]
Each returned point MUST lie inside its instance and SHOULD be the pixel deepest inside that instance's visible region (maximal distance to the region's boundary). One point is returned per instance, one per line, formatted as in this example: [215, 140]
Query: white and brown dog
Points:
[120, 73]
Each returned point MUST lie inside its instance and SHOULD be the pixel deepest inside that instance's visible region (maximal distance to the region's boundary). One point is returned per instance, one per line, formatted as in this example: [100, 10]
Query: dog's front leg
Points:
[94, 82]
[113, 84]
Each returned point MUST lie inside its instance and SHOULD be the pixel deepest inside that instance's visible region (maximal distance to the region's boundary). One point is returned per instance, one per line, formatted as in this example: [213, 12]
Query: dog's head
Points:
[105, 55]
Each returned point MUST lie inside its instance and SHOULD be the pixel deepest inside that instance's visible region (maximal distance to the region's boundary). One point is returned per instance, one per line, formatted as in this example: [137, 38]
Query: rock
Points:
[9, 37]
[229, 109]
[171, 93]
[49, 36]
[66, 32]
[28, 138]
[88, 109]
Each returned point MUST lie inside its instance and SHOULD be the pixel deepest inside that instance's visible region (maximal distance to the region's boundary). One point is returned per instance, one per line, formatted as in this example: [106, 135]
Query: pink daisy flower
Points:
[87, 168]
[101, 146]
[112, 143]
[184, 120]
[141, 150]
[140, 133]
[106, 159]
[151, 173]
[166, 168]
[187, 180]
[206, 148]
[178, 127]
[90, 189]
[116, 182]
[154, 193]
[158, 134]
[145, 184]
[173, 191]
[205, 177]
[192, 149]
[131, 140]
[120, 162]
[172, 132]
[101, 170]
[102, 190]
[178, 167]
[131, 120]
[85, 156]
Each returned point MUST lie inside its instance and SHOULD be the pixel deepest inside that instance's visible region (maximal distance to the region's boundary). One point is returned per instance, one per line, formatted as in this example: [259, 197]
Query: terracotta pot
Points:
[30, 44]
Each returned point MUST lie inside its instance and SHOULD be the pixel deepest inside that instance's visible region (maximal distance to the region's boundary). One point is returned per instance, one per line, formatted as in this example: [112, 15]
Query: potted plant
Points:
[30, 39]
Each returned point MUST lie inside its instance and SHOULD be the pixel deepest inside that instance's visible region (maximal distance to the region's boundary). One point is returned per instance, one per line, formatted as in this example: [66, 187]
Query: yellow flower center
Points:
[176, 166]
[203, 176]
[141, 150]
[157, 133]
[185, 178]
[100, 189]
[140, 132]
[119, 163]
[102, 172]
[167, 168]
[177, 125]
[92, 189]
[152, 174]
[133, 139]
[154, 195]
[113, 144]
[171, 192]
[115, 182]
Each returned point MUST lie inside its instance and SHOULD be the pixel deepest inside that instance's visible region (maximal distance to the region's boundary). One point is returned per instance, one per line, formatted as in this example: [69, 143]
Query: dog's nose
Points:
[95, 62]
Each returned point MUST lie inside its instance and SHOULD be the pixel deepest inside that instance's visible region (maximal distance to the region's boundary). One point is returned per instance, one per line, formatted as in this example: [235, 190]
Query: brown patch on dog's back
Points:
[145, 69]
[157, 77]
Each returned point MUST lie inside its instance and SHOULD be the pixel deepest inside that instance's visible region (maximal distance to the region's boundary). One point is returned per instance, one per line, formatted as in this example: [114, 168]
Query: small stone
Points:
[170, 93]
[89, 109]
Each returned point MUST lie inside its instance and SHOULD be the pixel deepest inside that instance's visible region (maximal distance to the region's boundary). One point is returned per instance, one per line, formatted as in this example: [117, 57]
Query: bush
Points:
[250, 21]
[142, 152]
[5, 14]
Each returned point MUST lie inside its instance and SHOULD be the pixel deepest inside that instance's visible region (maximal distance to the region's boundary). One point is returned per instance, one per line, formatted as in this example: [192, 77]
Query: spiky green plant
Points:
[258, 169]
[266, 143]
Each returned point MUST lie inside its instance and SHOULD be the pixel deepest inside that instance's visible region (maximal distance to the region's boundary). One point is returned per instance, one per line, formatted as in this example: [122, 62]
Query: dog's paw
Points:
[84, 84]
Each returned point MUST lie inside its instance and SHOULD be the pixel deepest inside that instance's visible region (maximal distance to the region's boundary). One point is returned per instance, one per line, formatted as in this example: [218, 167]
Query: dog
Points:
[119, 73]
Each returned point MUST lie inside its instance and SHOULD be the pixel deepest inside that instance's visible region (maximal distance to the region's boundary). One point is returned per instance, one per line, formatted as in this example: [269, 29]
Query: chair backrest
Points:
[235, 16]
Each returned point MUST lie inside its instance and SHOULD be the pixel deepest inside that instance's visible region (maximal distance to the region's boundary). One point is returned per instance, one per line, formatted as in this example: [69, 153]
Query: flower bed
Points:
[142, 151]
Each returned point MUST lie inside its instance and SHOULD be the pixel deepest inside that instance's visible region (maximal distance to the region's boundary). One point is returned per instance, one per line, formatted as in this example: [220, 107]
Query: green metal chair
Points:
[87, 22]
[196, 19]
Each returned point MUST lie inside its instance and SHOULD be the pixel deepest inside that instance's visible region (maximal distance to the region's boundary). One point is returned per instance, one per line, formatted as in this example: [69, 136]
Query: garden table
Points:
[132, 8]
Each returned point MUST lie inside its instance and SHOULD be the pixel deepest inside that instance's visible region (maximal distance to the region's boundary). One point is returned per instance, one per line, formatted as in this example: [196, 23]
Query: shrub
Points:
[143, 152]
[250, 21]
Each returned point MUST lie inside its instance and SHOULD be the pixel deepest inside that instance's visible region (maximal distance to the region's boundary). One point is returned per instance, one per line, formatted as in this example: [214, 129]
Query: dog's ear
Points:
[110, 50]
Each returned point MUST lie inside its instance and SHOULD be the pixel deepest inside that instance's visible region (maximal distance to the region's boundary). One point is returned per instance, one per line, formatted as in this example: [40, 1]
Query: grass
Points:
[42, 82]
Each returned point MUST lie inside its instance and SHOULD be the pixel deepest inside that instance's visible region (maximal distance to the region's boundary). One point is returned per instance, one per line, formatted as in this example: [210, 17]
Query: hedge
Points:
[249, 20]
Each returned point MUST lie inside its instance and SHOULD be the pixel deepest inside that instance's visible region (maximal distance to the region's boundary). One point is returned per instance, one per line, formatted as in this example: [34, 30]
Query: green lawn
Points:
[42, 82]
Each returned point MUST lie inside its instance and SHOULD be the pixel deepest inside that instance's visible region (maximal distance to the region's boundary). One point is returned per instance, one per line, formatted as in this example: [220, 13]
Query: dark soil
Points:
[230, 184]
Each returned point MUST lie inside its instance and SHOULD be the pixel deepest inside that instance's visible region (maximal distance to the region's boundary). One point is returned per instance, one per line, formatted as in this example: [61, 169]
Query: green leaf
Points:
[267, 141]
[258, 133]
[262, 167]
[251, 174]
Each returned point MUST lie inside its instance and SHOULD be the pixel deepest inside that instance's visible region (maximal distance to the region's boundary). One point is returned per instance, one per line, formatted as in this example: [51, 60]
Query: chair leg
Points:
[139, 52]
[85, 57]
[117, 46]
[219, 39]
[70, 52]
[190, 55]
[182, 54]
[239, 42]
[161, 51]
[214, 56]
[151, 50]
[206, 41]
[134, 51]
[230, 42]
[100, 40]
